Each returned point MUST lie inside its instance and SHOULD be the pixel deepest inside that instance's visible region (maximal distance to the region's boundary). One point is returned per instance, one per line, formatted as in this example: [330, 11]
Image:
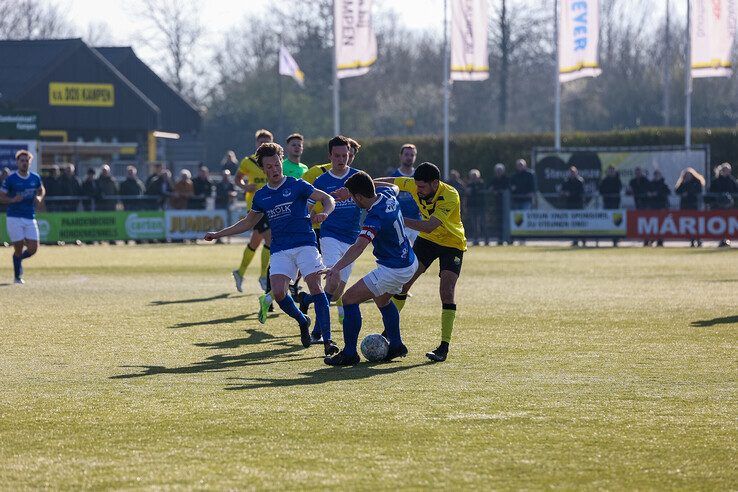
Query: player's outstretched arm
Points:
[328, 205]
[429, 225]
[394, 187]
[239, 227]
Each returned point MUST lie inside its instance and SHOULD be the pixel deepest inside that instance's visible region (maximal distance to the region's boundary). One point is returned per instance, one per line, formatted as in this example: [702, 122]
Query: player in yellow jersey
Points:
[251, 178]
[441, 237]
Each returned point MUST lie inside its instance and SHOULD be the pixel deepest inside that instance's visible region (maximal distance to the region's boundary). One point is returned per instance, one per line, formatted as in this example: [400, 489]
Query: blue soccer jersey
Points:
[384, 227]
[343, 222]
[27, 187]
[407, 202]
[286, 209]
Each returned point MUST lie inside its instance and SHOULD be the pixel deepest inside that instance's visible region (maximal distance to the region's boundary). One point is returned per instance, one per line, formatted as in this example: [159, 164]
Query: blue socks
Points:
[17, 268]
[323, 315]
[25, 255]
[391, 320]
[289, 307]
[351, 327]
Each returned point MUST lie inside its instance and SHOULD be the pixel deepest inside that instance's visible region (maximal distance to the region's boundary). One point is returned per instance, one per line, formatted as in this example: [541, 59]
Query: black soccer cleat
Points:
[341, 359]
[439, 354]
[305, 332]
[394, 352]
[330, 348]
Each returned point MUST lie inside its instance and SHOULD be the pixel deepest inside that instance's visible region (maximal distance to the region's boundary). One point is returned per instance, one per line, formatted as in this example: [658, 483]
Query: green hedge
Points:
[484, 151]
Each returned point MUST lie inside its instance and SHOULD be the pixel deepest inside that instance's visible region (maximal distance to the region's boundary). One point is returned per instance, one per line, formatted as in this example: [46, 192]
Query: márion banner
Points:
[683, 224]
[712, 30]
[356, 43]
[578, 39]
[469, 60]
[193, 224]
[568, 223]
[551, 169]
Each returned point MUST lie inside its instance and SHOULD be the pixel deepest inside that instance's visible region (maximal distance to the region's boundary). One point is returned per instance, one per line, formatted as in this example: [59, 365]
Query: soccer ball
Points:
[374, 347]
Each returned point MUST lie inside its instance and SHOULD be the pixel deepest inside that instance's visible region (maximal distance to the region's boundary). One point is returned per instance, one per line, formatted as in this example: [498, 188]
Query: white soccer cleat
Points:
[239, 280]
[19, 281]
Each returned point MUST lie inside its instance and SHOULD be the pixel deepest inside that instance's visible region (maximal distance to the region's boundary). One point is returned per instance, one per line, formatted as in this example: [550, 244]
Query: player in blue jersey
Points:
[283, 200]
[22, 190]
[410, 210]
[396, 265]
[339, 231]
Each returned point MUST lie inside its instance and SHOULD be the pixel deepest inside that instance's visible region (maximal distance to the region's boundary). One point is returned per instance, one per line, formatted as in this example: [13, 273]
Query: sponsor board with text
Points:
[193, 224]
[683, 224]
[568, 223]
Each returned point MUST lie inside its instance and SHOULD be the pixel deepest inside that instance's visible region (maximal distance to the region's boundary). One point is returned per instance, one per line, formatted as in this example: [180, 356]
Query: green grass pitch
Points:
[141, 367]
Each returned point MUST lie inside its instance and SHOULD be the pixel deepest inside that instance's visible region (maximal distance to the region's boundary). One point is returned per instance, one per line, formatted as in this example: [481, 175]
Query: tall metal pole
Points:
[446, 91]
[336, 83]
[557, 90]
[688, 83]
[667, 66]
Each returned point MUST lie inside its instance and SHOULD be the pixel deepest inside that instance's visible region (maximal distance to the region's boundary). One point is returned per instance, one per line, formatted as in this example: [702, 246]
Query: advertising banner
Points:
[22, 125]
[551, 168]
[356, 43]
[95, 226]
[469, 60]
[193, 224]
[81, 94]
[578, 39]
[568, 223]
[683, 224]
[712, 30]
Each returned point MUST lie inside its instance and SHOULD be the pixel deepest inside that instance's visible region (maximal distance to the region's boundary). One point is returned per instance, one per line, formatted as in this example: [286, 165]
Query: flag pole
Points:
[557, 90]
[667, 67]
[446, 91]
[336, 86]
[688, 83]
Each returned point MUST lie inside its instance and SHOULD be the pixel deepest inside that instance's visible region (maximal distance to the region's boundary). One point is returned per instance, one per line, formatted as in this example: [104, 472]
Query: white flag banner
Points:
[469, 58]
[712, 26]
[356, 44]
[579, 33]
[288, 66]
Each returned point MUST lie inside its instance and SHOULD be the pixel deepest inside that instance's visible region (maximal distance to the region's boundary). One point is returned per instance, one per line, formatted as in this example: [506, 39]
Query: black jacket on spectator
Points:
[574, 188]
[724, 190]
[476, 196]
[499, 184]
[639, 186]
[132, 187]
[658, 194]
[107, 187]
[689, 191]
[522, 183]
[610, 188]
[158, 186]
[202, 189]
[69, 186]
[90, 193]
[222, 193]
[53, 188]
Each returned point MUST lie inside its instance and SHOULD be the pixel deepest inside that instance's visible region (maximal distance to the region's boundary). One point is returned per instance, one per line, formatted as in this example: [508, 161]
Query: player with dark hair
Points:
[408, 154]
[396, 265]
[441, 237]
[284, 200]
[251, 178]
[22, 190]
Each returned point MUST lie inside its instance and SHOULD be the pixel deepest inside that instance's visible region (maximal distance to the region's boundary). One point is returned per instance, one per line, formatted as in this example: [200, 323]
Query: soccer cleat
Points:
[394, 352]
[304, 302]
[263, 308]
[439, 354]
[305, 332]
[19, 281]
[239, 280]
[330, 348]
[263, 283]
[316, 338]
[341, 359]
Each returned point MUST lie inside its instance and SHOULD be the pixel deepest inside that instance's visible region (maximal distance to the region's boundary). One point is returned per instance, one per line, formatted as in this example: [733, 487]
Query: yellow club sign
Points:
[81, 94]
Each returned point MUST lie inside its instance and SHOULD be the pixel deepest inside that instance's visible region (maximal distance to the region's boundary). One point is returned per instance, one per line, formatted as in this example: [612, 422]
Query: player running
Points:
[284, 201]
[441, 237]
[410, 210]
[22, 190]
[251, 178]
[396, 265]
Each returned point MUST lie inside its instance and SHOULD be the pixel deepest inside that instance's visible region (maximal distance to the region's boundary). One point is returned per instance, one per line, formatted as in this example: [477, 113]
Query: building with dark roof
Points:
[97, 105]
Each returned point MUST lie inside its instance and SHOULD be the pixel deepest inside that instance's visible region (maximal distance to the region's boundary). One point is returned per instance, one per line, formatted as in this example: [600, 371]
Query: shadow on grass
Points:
[254, 337]
[725, 320]
[221, 321]
[324, 375]
[5, 285]
[189, 301]
[285, 352]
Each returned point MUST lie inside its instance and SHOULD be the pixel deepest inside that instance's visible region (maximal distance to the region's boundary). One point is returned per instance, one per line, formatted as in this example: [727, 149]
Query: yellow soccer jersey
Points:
[254, 175]
[310, 176]
[446, 207]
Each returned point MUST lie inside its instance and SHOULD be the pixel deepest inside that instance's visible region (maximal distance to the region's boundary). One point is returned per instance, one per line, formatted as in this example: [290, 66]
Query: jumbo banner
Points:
[683, 224]
[193, 224]
[712, 31]
[469, 60]
[95, 226]
[568, 223]
[578, 38]
[551, 169]
[356, 43]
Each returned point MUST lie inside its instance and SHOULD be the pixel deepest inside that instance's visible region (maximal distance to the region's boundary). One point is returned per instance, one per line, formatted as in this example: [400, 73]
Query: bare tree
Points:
[98, 34]
[32, 19]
